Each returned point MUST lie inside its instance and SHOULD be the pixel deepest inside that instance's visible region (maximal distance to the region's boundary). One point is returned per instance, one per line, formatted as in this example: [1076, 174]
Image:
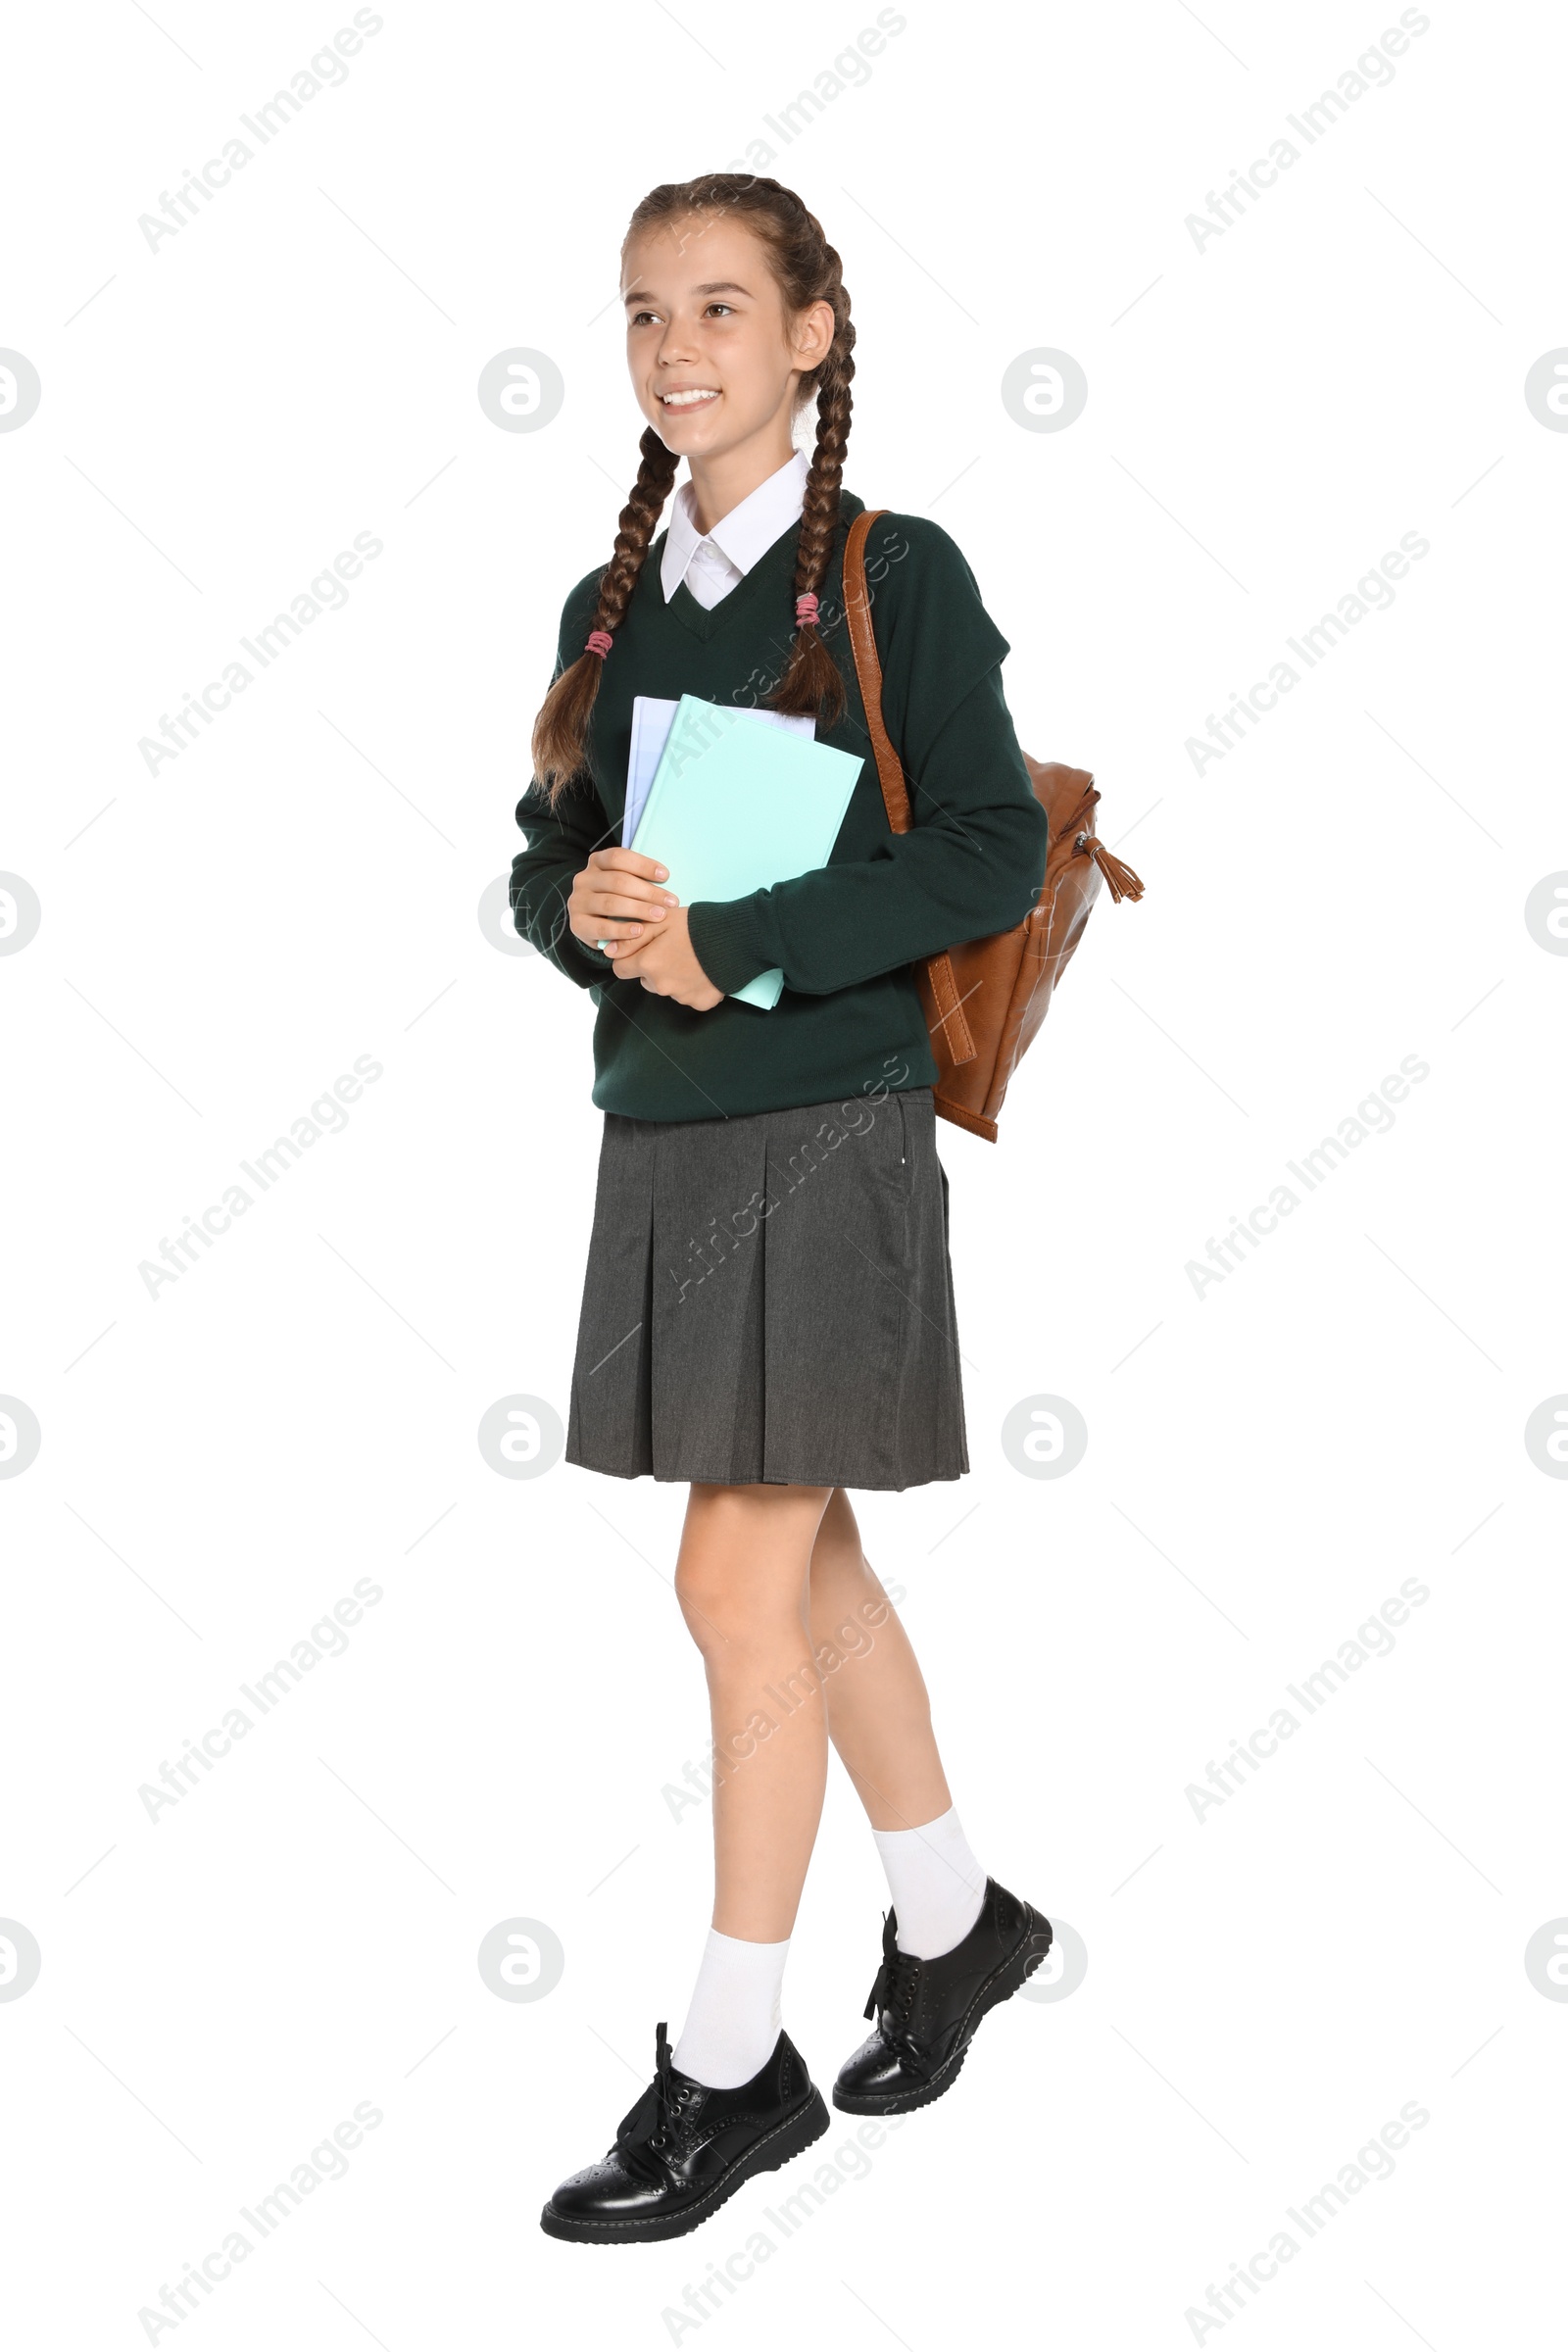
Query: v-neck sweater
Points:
[849, 1017]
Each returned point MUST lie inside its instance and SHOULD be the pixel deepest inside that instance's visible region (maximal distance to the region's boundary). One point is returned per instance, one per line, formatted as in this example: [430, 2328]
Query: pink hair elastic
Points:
[600, 643]
[806, 612]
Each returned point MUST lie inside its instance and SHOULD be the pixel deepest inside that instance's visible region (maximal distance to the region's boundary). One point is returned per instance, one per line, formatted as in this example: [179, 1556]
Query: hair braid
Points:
[811, 684]
[561, 731]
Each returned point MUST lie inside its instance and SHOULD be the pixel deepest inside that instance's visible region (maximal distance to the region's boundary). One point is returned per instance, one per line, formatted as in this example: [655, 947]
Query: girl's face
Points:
[714, 358]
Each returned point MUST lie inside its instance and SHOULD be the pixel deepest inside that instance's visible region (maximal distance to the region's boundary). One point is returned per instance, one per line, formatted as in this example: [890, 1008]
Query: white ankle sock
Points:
[734, 2021]
[937, 1884]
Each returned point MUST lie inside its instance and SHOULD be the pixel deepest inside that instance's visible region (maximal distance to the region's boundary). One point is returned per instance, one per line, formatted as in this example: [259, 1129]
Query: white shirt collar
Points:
[746, 531]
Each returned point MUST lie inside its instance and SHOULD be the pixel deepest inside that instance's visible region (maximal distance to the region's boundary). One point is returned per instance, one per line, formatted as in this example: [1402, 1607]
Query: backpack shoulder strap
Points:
[868, 670]
[942, 987]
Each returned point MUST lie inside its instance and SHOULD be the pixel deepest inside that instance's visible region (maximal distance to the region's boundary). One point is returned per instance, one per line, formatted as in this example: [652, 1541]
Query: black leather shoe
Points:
[684, 2148]
[927, 2010]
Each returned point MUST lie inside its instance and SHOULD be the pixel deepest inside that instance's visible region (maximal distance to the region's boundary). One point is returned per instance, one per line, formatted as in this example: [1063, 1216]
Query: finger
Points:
[595, 928]
[624, 902]
[630, 861]
[627, 890]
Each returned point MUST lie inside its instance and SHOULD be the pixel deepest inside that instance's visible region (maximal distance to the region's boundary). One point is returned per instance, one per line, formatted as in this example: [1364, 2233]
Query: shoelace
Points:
[898, 1983]
[651, 2133]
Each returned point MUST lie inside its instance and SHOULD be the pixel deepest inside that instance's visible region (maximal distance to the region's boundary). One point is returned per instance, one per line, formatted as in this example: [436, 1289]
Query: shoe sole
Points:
[777, 2147]
[1002, 1981]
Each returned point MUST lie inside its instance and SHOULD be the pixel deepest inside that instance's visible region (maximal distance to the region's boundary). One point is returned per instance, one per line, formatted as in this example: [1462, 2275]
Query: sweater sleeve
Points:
[560, 843]
[972, 860]
[542, 876]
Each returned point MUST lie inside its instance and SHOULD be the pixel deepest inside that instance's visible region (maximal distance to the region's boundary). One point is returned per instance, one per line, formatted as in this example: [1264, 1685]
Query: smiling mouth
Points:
[693, 398]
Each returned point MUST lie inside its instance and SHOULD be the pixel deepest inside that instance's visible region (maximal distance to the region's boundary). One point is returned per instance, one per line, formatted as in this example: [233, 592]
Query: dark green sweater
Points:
[850, 1016]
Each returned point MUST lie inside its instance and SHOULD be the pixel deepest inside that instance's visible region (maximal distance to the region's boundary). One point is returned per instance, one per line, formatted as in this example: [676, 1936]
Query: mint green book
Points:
[736, 807]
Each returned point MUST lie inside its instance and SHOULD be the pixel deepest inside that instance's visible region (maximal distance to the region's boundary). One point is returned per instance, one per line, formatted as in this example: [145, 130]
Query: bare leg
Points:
[734, 2086]
[743, 1580]
[878, 1712]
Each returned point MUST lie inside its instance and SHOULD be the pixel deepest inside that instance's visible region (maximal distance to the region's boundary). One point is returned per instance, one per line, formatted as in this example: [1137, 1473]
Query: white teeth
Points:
[685, 400]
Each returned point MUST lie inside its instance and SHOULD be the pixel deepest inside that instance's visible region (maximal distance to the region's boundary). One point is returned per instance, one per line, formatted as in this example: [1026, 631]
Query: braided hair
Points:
[807, 271]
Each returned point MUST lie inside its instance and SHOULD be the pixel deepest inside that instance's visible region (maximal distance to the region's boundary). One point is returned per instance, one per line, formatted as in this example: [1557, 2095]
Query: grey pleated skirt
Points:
[768, 1300]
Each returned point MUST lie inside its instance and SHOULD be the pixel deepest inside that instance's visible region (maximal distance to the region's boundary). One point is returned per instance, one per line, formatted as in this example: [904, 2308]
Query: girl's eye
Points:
[642, 318]
[645, 318]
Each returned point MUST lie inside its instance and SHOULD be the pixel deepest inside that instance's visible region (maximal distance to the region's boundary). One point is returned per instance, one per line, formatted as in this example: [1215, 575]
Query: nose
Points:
[675, 345]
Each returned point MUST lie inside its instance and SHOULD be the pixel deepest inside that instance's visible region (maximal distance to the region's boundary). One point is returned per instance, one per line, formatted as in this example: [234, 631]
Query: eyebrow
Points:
[723, 286]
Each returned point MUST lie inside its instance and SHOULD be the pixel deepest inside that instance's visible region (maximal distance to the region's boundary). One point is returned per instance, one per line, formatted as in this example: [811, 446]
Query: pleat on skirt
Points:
[768, 1300]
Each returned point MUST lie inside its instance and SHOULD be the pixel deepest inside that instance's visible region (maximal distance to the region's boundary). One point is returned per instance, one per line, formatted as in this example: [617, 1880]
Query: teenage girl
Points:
[767, 1311]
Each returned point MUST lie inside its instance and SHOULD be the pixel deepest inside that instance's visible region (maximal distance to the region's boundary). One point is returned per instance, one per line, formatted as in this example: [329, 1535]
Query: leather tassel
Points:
[1121, 879]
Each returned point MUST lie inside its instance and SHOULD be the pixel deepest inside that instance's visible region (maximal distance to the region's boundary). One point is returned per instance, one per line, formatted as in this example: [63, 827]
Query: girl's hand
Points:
[668, 966]
[616, 898]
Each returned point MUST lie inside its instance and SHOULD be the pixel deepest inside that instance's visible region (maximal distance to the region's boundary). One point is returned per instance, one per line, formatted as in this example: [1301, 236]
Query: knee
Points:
[706, 1603]
[728, 1616]
[841, 1574]
[848, 1604]
[742, 1576]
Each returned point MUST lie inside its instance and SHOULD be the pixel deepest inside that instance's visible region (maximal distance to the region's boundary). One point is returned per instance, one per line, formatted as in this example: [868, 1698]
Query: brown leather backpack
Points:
[985, 999]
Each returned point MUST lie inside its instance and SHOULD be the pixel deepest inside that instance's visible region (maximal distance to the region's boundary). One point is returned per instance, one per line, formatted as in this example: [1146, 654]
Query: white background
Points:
[1268, 1984]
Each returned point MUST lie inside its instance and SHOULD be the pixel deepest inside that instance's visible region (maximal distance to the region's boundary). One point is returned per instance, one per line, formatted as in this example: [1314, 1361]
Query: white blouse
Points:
[711, 564]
